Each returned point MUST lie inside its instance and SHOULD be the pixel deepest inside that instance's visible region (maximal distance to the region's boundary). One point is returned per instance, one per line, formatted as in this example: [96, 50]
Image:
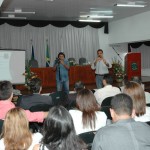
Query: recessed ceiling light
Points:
[95, 16]
[102, 11]
[13, 17]
[88, 20]
[18, 11]
[130, 4]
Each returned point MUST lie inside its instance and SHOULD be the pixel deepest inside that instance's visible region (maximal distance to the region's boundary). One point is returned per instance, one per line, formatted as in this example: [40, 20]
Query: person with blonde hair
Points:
[87, 116]
[15, 132]
[136, 92]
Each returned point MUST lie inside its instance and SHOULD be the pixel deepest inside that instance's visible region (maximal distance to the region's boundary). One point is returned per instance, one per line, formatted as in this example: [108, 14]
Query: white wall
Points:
[131, 29]
[114, 51]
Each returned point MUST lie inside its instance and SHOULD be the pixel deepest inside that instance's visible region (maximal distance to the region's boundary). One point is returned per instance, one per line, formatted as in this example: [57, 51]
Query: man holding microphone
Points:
[61, 66]
[101, 68]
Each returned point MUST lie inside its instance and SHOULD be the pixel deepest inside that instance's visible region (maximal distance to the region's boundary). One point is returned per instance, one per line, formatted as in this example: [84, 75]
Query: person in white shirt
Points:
[16, 134]
[100, 65]
[107, 91]
[87, 116]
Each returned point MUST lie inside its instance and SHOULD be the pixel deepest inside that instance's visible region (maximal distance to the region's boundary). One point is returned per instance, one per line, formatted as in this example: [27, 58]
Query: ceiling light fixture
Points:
[130, 4]
[17, 11]
[12, 16]
[103, 12]
[88, 20]
[95, 16]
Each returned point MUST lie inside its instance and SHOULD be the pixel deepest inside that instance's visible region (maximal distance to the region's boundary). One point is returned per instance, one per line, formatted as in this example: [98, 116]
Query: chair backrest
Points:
[88, 137]
[1, 125]
[106, 101]
[59, 98]
[40, 107]
[33, 63]
[71, 59]
[106, 105]
[82, 61]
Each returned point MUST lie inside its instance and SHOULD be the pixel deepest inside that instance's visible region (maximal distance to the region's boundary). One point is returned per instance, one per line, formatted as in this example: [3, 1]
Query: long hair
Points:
[86, 103]
[15, 132]
[59, 132]
[136, 92]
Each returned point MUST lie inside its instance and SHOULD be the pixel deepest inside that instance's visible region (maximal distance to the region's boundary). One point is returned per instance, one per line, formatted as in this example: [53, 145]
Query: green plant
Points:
[28, 74]
[118, 69]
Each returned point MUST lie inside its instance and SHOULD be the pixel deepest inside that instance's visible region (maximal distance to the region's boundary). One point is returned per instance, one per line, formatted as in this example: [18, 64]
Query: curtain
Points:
[74, 42]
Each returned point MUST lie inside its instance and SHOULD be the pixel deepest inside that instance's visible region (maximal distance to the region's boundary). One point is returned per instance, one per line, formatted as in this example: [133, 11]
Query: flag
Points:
[47, 56]
[32, 53]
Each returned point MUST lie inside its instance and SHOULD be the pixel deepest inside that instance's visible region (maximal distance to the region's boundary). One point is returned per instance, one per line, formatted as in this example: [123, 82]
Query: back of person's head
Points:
[136, 92]
[136, 79]
[15, 130]
[108, 79]
[59, 131]
[122, 104]
[78, 86]
[35, 85]
[6, 90]
[86, 102]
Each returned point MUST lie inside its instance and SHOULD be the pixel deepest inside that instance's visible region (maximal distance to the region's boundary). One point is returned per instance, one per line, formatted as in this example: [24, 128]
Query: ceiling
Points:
[70, 10]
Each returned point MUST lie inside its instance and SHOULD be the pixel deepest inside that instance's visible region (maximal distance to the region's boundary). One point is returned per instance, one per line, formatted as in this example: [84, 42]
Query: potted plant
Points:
[28, 75]
[118, 70]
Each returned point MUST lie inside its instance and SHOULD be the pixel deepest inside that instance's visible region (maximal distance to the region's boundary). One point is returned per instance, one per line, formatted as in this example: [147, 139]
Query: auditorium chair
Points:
[82, 61]
[105, 107]
[88, 137]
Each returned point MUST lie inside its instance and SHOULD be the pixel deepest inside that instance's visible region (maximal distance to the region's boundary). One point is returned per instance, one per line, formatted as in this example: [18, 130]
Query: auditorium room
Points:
[74, 74]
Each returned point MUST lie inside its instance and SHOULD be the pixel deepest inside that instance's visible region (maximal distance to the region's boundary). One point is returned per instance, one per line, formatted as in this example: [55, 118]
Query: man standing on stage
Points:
[101, 68]
[61, 66]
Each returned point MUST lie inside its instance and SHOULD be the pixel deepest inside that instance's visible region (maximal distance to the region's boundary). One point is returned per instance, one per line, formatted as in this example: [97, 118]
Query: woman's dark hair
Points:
[59, 132]
[86, 102]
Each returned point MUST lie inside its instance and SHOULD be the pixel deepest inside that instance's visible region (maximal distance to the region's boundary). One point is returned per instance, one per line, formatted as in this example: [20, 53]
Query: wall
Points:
[113, 51]
[131, 29]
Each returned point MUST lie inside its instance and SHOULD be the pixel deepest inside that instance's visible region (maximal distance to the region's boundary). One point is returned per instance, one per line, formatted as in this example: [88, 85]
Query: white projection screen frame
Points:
[12, 65]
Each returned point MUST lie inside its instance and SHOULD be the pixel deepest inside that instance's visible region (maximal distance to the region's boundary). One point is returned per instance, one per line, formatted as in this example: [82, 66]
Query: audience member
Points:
[6, 95]
[59, 132]
[124, 133]
[72, 96]
[87, 117]
[16, 134]
[107, 91]
[136, 92]
[27, 101]
[147, 94]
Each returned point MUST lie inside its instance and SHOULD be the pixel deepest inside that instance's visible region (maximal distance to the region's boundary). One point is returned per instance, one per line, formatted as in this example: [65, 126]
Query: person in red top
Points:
[6, 95]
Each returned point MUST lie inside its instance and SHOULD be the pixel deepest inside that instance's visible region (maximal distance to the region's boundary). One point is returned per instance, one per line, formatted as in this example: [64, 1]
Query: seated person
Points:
[6, 95]
[87, 116]
[27, 101]
[72, 97]
[107, 91]
[16, 134]
[124, 133]
[59, 132]
[137, 79]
